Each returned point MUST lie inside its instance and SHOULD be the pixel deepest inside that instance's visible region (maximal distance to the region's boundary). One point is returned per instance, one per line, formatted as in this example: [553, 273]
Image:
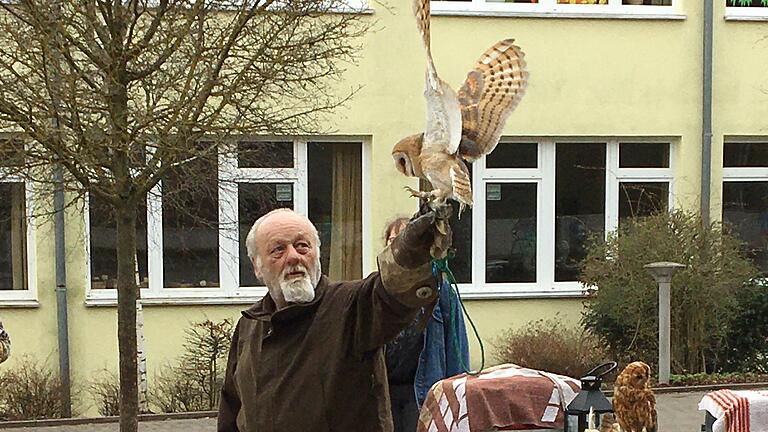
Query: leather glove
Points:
[443, 233]
[410, 248]
[425, 237]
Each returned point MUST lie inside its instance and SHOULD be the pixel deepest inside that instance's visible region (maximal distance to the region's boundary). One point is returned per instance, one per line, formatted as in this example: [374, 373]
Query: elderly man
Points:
[5, 344]
[308, 357]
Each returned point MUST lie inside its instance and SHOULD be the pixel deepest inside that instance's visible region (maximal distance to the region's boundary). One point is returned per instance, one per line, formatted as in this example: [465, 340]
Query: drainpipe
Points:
[61, 291]
[58, 228]
[706, 124]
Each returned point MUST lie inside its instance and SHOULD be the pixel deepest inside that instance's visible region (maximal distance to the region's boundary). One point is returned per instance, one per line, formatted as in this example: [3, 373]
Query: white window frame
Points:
[544, 177]
[27, 297]
[744, 174]
[229, 290]
[550, 8]
[735, 13]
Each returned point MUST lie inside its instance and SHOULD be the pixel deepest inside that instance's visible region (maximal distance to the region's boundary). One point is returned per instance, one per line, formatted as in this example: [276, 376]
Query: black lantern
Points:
[590, 396]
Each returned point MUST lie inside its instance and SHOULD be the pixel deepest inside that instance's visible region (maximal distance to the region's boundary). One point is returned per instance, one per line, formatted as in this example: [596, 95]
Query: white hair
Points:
[253, 247]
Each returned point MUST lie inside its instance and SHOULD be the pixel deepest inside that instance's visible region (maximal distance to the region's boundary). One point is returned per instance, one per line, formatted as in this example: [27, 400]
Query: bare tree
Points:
[124, 93]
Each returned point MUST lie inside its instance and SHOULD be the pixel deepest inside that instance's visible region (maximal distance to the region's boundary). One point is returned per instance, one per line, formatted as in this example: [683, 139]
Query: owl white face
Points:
[406, 154]
[403, 164]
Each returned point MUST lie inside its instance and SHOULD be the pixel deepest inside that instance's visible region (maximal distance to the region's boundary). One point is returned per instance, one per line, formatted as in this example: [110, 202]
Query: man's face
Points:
[287, 258]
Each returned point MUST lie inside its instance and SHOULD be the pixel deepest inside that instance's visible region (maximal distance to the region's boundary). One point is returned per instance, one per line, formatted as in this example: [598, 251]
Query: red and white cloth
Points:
[506, 397]
[737, 411]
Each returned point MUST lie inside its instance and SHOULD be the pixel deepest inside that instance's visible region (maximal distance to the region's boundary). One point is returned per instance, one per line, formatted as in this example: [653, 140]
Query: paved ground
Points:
[677, 413]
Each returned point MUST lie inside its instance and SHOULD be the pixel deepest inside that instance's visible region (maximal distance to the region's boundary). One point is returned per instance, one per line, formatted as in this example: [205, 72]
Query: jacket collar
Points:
[266, 310]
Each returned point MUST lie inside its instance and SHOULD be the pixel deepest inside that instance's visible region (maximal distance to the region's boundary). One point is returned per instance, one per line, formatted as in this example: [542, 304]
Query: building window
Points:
[194, 238]
[537, 204]
[587, 7]
[13, 237]
[746, 3]
[746, 9]
[17, 246]
[102, 241]
[745, 197]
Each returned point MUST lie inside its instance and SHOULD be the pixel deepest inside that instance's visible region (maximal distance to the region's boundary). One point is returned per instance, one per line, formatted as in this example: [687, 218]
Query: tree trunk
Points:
[126, 316]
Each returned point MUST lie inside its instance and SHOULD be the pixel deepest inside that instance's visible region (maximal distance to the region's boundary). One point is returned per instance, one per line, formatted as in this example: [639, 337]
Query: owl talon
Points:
[418, 194]
[440, 225]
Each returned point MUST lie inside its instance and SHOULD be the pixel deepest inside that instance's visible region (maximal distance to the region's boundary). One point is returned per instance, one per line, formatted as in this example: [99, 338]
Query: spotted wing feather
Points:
[503, 79]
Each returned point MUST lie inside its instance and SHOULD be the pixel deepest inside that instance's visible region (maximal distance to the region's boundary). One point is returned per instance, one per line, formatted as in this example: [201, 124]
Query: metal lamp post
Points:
[662, 272]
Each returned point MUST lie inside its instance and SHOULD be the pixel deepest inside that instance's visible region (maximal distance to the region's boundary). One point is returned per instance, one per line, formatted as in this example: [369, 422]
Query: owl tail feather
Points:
[462, 189]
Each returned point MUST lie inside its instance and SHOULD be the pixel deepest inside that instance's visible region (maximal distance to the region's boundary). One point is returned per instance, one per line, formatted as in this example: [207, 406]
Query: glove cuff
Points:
[413, 287]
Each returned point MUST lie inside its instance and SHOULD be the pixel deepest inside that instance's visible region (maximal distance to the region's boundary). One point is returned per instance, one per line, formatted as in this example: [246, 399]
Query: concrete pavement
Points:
[677, 412]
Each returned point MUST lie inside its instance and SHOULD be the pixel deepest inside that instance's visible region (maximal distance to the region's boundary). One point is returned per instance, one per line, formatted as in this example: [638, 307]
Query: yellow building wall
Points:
[589, 77]
[740, 89]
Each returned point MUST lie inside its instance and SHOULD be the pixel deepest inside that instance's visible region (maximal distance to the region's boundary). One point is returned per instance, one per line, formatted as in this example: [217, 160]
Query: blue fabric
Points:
[446, 349]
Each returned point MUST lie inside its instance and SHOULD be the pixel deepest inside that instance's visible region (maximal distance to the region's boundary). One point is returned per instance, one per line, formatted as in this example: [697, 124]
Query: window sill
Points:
[467, 292]
[19, 303]
[558, 14]
[490, 293]
[103, 301]
[736, 16]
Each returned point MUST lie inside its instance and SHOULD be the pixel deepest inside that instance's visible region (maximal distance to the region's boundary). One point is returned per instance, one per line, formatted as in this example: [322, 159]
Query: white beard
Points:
[298, 290]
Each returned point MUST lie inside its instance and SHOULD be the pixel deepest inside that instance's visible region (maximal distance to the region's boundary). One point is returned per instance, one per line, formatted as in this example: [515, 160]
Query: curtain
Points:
[18, 237]
[346, 254]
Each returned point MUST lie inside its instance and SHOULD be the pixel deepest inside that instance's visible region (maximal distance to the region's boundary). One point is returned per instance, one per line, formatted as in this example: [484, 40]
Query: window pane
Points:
[103, 244]
[510, 232]
[746, 3]
[513, 155]
[190, 226]
[335, 206]
[254, 200]
[642, 199]
[745, 208]
[461, 264]
[264, 154]
[644, 155]
[579, 204]
[745, 155]
[13, 237]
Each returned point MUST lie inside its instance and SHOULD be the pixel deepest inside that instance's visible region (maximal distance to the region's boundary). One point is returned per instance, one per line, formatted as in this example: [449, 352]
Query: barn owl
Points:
[633, 401]
[464, 125]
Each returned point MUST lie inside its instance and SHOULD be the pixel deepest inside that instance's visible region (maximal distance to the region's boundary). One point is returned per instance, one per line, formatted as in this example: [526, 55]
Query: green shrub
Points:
[717, 378]
[194, 381]
[551, 346]
[746, 345]
[30, 390]
[623, 311]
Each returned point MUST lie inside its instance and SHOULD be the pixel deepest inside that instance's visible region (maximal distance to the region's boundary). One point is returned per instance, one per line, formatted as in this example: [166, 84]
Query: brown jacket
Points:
[319, 367]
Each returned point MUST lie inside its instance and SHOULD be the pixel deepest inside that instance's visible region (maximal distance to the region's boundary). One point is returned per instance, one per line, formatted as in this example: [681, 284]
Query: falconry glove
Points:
[406, 264]
[412, 247]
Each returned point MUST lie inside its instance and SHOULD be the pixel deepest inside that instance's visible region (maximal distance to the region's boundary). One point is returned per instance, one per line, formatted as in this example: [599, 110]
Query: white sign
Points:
[284, 192]
[493, 192]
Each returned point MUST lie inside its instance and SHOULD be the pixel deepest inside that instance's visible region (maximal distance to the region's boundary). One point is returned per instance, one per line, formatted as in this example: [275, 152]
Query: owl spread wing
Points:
[443, 128]
[421, 10]
[490, 93]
